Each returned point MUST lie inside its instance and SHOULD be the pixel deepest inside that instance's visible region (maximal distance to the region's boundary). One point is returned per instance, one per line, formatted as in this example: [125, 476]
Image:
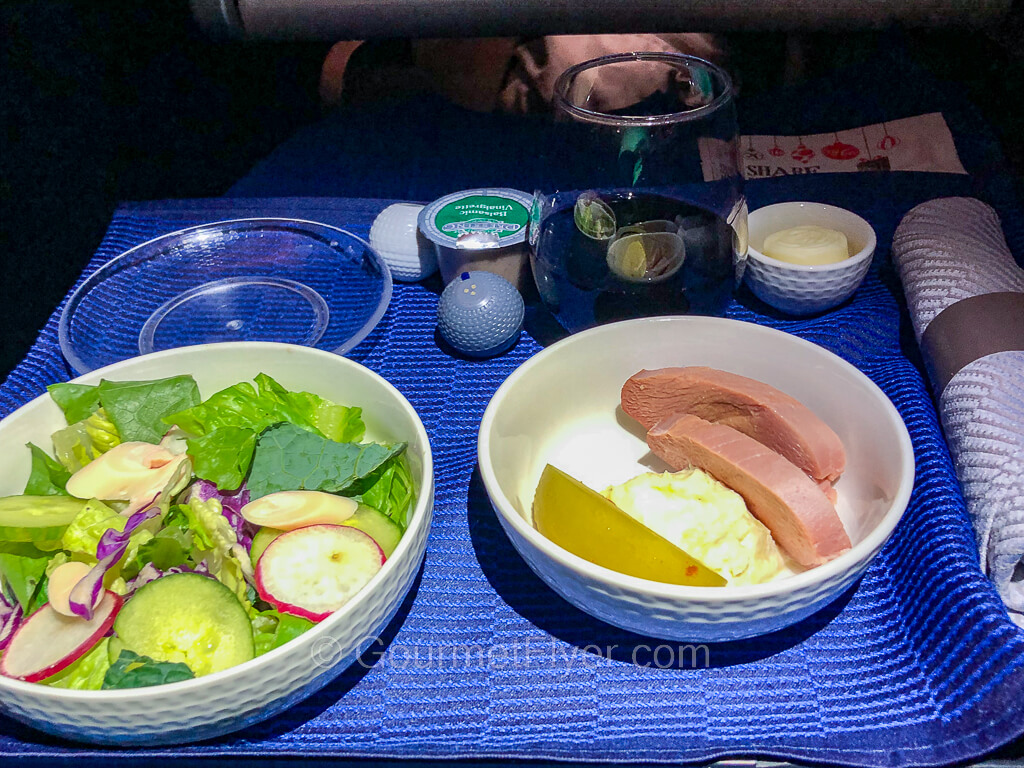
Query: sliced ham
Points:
[777, 492]
[754, 408]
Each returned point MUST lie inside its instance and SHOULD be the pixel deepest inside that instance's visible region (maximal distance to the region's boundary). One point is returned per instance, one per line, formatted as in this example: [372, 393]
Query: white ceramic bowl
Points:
[562, 407]
[234, 698]
[798, 289]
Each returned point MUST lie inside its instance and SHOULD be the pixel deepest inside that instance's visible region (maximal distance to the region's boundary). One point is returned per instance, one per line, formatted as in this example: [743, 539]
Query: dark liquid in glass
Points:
[583, 287]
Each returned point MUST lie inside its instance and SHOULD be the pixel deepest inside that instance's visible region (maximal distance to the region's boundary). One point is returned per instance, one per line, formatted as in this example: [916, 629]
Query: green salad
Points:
[163, 537]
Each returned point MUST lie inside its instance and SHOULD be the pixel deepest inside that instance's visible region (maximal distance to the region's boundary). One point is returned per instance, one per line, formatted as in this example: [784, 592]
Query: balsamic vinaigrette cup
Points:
[648, 216]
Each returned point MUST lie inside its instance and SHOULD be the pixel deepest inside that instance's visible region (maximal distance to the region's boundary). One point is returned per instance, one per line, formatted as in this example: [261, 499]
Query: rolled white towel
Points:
[965, 294]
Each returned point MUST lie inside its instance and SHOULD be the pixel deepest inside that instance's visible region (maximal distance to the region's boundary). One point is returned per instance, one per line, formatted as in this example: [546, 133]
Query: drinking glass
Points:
[649, 216]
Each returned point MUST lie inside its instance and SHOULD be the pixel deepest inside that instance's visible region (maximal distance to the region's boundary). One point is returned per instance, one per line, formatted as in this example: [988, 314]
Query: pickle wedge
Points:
[587, 524]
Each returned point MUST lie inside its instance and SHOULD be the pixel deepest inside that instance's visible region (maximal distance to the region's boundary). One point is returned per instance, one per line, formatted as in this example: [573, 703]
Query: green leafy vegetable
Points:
[87, 673]
[289, 458]
[224, 427]
[216, 545]
[223, 456]
[272, 629]
[83, 534]
[335, 422]
[172, 545]
[167, 549]
[78, 401]
[243, 406]
[138, 408]
[79, 443]
[392, 493]
[47, 477]
[206, 520]
[131, 670]
[23, 576]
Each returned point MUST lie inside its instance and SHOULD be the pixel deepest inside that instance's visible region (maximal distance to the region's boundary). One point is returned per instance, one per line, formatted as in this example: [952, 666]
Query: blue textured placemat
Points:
[917, 665]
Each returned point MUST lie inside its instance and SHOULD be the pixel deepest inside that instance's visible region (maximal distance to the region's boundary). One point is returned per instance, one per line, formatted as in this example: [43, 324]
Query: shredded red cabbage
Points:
[231, 504]
[10, 617]
[85, 595]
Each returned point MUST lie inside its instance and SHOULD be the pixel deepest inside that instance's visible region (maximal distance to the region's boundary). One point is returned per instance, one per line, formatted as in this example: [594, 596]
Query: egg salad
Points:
[704, 518]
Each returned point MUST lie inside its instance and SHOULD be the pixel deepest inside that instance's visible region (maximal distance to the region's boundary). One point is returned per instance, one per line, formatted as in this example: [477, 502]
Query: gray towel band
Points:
[971, 329]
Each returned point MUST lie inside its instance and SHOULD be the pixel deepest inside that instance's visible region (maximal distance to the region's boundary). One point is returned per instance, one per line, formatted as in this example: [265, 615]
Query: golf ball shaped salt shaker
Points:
[396, 237]
[480, 314]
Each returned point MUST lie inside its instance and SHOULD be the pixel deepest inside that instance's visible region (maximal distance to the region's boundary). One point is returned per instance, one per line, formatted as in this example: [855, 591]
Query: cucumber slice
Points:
[378, 526]
[188, 618]
[260, 541]
[40, 520]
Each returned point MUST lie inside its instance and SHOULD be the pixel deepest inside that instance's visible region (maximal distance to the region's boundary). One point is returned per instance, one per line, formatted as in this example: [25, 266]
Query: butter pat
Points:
[808, 245]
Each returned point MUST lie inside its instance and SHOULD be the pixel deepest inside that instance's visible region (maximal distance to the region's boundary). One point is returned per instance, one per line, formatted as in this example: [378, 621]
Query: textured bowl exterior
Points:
[803, 292]
[561, 407]
[798, 289]
[230, 700]
[655, 615]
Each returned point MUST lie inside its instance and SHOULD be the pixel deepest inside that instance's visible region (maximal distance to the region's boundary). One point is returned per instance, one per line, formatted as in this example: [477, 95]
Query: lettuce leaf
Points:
[78, 401]
[168, 548]
[83, 534]
[211, 529]
[244, 406]
[335, 422]
[223, 455]
[272, 629]
[87, 673]
[138, 408]
[290, 458]
[224, 427]
[47, 477]
[131, 670]
[215, 546]
[79, 443]
[391, 491]
[23, 576]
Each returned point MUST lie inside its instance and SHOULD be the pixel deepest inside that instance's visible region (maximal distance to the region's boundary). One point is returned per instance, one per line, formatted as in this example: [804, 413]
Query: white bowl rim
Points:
[846, 562]
[97, 276]
[185, 687]
[864, 253]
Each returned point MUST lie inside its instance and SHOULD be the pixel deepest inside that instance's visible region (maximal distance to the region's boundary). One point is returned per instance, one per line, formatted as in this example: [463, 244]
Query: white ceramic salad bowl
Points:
[562, 407]
[239, 696]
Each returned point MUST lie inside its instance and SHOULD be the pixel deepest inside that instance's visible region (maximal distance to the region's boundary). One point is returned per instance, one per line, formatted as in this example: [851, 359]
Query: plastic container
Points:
[285, 280]
[480, 229]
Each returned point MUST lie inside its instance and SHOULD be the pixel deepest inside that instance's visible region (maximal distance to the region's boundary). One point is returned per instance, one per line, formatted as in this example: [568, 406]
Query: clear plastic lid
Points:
[284, 280]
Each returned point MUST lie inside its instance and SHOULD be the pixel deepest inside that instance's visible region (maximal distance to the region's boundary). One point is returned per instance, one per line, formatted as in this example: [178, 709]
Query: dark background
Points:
[104, 102]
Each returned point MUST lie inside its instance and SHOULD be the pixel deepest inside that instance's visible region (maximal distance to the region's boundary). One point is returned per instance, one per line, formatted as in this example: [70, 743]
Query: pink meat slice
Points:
[791, 505]
[754, 408]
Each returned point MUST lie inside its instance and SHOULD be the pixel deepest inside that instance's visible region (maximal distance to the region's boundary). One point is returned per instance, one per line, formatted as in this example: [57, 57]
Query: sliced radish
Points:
[62, 582]
[288, 510]
[47, 642]
[313, 571]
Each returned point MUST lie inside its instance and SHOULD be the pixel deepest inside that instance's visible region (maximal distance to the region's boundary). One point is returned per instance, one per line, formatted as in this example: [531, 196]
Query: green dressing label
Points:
[500, 216]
